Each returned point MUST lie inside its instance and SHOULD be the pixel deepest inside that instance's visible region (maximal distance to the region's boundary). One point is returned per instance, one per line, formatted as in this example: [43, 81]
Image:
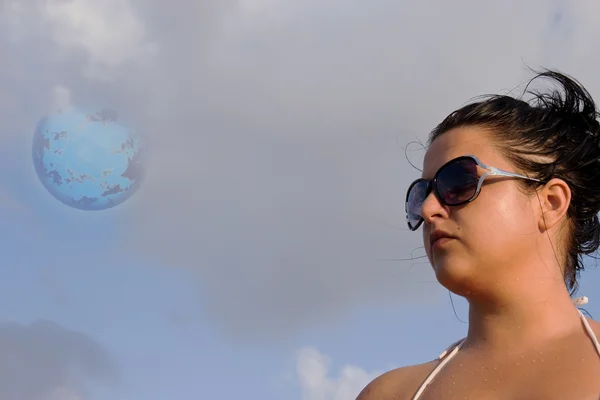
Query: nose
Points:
[432, 208]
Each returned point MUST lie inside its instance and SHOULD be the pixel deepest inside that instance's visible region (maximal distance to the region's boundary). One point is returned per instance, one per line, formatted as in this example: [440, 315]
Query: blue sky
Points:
[253, 262]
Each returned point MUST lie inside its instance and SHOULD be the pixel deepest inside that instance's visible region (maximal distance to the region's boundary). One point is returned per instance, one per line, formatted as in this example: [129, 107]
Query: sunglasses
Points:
[456, 183]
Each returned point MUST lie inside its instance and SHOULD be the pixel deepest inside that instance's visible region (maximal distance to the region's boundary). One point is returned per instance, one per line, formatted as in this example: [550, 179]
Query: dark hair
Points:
[554, 134]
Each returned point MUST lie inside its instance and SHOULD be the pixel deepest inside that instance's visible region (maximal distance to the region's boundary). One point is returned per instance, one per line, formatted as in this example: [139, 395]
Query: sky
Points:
[262, 258]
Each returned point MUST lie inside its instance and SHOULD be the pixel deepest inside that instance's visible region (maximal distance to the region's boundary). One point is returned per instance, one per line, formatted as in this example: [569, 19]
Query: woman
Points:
[508, 206]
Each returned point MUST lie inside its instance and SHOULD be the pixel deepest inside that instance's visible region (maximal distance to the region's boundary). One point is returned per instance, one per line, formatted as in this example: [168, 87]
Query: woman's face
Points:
[494, 235]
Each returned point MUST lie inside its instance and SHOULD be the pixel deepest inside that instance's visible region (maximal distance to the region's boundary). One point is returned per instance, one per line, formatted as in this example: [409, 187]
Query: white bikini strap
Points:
[590, 332]
[445, 357]
[450, 348]
[579, 302]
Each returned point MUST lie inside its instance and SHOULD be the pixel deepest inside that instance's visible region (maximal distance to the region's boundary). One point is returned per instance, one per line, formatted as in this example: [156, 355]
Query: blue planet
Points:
[87, 159]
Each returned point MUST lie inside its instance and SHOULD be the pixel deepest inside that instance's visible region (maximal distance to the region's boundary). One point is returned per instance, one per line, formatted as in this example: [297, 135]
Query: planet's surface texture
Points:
[87, 159]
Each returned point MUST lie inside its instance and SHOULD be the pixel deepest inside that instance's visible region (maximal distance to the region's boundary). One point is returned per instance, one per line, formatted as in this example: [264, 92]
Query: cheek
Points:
[502, 224]
[514, 214]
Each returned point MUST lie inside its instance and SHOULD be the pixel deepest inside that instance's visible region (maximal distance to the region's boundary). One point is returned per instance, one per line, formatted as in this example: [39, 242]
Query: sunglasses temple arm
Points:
[499, 172]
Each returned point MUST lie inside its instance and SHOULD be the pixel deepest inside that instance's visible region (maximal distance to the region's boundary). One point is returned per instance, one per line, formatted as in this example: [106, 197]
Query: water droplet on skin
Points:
[485, 380]
[533, 360]
[495, 368]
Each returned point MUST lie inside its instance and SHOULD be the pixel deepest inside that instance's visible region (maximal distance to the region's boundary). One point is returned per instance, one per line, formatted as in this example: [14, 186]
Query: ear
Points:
[554, 198]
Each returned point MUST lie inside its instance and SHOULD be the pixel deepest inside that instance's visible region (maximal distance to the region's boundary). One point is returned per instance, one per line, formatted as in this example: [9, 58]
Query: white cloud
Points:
[317, 382]
[108, 30]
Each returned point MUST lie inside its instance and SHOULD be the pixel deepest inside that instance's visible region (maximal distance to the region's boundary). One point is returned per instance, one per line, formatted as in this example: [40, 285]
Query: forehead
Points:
[458, 142]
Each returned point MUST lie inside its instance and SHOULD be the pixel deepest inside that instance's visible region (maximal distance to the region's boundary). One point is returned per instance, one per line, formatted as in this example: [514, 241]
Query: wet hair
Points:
[554, 134]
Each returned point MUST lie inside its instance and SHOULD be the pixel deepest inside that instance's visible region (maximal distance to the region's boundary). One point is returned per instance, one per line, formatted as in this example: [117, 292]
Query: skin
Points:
[525, 339]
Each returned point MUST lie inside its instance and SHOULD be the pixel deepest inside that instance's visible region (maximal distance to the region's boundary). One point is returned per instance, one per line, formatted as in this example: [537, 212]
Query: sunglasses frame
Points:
[432, 184]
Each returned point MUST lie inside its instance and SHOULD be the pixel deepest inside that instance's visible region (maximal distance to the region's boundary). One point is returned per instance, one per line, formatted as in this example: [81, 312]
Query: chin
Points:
[458, 276]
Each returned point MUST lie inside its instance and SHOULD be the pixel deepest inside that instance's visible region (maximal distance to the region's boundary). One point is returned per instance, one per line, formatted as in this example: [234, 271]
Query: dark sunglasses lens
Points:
[457, 181]
[416, 197]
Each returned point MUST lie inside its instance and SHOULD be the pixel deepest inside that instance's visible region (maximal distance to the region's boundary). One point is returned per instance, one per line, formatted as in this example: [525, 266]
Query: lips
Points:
[437, 235]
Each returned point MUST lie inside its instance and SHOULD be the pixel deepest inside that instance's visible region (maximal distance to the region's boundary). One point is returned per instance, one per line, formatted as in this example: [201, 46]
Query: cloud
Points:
[44, 361]
[278, 162]
[108, 30]
[313, 371]
[276, 130]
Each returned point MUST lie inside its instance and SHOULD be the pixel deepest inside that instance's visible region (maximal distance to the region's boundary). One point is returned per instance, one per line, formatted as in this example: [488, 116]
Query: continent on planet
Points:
[86, 159]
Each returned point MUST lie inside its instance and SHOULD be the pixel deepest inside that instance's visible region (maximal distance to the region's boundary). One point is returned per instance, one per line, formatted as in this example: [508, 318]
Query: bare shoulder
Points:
[595, 325]
[399, 383]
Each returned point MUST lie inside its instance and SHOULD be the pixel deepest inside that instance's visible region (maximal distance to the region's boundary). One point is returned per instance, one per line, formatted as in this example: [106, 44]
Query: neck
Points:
[525, 317]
